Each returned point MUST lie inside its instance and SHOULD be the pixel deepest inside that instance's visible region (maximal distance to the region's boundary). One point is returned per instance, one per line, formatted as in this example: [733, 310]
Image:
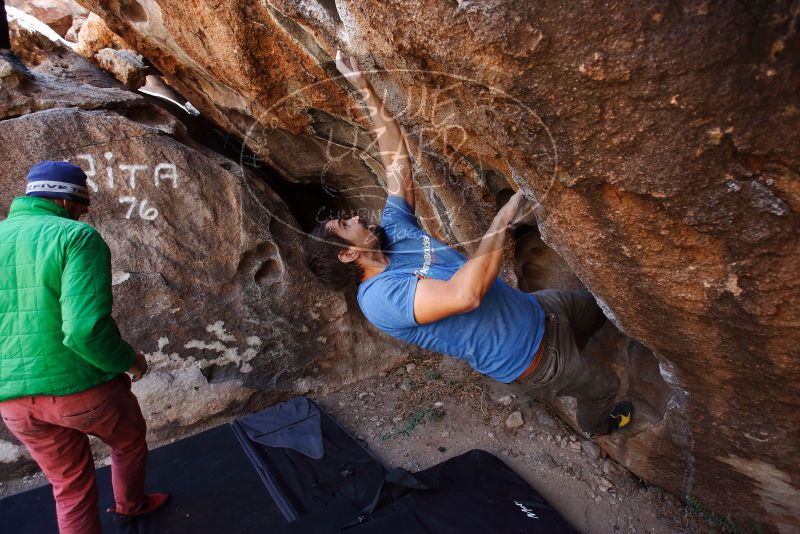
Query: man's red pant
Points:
[54, 429]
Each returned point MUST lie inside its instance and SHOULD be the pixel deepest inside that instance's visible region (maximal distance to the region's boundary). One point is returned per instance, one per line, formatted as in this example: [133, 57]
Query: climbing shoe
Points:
[620, 415]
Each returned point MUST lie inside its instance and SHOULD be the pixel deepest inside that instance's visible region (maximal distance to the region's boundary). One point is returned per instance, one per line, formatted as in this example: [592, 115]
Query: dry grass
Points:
[428, 387]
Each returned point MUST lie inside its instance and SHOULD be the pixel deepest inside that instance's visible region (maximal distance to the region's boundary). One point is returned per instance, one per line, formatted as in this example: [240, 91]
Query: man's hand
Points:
[436, 299]
[350, 70]
[392, 145]
[139, 367]
[516, 211]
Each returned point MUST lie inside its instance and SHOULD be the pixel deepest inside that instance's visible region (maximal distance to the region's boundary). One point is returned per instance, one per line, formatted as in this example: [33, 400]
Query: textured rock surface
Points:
[94, 36]
[124, 65]
[206, 261]
[661, 140]
[55, 13]
[50, 75]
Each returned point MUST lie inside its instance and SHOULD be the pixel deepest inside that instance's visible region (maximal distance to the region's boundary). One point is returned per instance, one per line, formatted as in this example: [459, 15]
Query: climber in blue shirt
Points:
[423, 292]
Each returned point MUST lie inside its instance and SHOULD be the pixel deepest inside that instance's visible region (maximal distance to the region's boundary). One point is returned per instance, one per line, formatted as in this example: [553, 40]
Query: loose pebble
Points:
[514, 420]
[505, 400]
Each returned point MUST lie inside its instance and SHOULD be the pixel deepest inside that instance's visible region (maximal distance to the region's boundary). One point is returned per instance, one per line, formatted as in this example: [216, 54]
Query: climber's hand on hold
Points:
[516, 211]
[351, 71]
[391, 143]
[435, 300]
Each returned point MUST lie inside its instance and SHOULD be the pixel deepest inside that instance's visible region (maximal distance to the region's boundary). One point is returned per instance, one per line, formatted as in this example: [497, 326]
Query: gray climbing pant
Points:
[571, 318]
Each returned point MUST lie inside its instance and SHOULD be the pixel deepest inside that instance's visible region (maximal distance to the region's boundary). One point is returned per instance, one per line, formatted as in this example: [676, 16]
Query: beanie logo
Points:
[48, 186]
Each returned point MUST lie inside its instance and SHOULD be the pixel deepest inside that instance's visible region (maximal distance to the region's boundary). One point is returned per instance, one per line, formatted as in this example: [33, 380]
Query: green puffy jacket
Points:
[56, 332]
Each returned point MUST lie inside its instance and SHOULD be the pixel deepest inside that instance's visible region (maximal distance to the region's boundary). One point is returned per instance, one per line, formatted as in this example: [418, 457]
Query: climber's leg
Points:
[563, 370]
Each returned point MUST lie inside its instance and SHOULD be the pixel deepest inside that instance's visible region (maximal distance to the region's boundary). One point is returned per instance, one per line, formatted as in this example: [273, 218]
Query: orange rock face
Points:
[94, 36]
[660, 142]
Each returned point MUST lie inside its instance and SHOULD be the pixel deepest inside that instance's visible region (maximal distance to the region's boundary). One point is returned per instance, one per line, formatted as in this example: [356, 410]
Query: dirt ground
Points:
[427, 411]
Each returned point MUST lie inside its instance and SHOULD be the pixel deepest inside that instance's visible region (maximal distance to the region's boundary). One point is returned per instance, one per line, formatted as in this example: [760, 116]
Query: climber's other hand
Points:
[349, 68]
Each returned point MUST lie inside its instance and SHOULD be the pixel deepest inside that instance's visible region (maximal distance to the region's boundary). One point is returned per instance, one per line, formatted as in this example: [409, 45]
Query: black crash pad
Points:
[212, 482]
[292, 469]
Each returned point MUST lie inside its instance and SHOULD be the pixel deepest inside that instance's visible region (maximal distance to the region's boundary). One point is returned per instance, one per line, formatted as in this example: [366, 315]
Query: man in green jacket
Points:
[62, 359]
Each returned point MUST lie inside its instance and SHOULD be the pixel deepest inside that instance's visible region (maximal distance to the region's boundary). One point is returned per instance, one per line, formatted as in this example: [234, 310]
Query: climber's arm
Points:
[438, 299]
[392, 145]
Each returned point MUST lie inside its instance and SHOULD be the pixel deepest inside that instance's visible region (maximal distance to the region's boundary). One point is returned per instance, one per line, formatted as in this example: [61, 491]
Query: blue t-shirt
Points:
[499, 338]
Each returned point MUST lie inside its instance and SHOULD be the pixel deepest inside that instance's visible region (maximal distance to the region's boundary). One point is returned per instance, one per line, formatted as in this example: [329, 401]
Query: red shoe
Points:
[151, 503]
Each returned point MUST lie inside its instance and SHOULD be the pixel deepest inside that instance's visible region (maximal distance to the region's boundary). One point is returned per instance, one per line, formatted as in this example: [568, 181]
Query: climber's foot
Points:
[621, 415]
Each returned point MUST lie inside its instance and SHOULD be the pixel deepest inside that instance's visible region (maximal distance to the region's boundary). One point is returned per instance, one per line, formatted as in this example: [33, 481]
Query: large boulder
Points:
[124, 65]
[44, 74]
[660, 142]
[55, 13]
[205, 257]
[94, 36]
[64, 17]
[207, 275]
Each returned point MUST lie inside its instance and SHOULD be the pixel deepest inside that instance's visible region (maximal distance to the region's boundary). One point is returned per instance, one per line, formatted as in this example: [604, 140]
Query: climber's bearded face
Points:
[356, 231]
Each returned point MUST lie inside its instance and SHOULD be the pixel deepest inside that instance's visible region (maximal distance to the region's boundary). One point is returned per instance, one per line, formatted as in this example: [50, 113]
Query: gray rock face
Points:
[44, 74]
[207, 276]
[57, 14]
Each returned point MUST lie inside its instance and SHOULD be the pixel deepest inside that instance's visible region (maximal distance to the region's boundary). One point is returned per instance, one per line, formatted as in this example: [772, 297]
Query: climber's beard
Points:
[380, 233]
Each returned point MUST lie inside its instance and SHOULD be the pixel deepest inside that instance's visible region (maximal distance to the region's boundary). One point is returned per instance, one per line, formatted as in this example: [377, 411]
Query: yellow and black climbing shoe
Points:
[621, 415]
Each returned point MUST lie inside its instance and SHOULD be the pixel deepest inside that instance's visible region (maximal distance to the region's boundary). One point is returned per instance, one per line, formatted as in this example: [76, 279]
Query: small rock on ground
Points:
[514, 420]
[592, 450]
[504, 400]
[545, 420]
